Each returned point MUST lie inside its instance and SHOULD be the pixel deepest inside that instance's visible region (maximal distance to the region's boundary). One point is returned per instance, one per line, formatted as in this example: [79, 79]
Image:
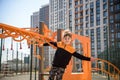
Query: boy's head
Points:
[67, 37]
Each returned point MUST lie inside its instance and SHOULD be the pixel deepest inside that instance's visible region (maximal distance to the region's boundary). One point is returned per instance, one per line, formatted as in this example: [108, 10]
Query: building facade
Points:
[114, 32]
[35, 20]
[57, 19]
[44, 17]
[89, 18]
[98, 19]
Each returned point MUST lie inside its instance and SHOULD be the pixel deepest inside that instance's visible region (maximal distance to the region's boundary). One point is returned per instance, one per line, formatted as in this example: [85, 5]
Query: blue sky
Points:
[17, 13]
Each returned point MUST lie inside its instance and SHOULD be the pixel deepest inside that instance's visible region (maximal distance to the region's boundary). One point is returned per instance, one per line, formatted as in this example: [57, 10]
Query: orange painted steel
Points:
[37, 39]
[115, 73]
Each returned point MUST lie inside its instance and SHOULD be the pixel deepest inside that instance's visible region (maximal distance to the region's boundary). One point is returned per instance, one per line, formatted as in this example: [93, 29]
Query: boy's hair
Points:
[67, 33]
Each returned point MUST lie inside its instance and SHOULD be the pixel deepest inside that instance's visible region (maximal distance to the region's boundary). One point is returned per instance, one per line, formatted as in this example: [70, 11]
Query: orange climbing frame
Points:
[47, 36]
[86, 74]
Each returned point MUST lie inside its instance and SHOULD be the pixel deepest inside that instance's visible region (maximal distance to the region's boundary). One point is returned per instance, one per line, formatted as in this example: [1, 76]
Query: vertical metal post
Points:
[7, 56]
[31, 58]
[41, 52]
[17, 60]
[0, 54]
[107, 36]
[1, 51]
[24, 62]
[12, 59]
[21, 62]
[35, 63]
[28, 63]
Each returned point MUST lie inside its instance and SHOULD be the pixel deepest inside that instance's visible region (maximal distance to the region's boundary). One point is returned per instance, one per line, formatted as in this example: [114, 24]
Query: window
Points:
[86, 12]
[98, 34]
[81, 8]
[81, 20]
[104, 20]
[118, 44]
[70, 1]
[117, 25]
[105, 43]
[91, 12]
[76, 21]
[117, 7]
[98, 51]
[70, 24]
[98, 10]
[91, 5]
[87, 33]
[81, 1]
[118, 35]
[76, 27]
[111, 2]
[76, 9]
[81, 26]
[92, 32]
[87, 25]
[87, 18]
[92, 38]
[98, 45]
[70, 18]
[76, 3]
[104, 0]
[91, 18]
[76, 15]
[105, 14]
[105, 29]
[98, 17]
[91, 24]
[98, 30]
[98, 3]
[87, 5]
[112, 35]
[111, 8]
[117, 17]
[111, 19]
[111, 28]
[104, 6]
[81, 14]
[70, 5]
[70, 12]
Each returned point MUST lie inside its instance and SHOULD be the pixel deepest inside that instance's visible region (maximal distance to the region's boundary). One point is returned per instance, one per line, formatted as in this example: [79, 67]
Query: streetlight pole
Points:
[17, 60]
[21, 62]
[35, 63]
[1, 52]
[12, 59]
[31, 58]
[7, 56]
[107, 37]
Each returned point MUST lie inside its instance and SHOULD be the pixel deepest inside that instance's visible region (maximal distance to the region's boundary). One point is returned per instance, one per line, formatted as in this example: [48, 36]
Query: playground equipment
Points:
[37, 39]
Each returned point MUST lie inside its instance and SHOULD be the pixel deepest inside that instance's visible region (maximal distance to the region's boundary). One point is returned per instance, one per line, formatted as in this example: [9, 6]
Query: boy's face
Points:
[67, 39]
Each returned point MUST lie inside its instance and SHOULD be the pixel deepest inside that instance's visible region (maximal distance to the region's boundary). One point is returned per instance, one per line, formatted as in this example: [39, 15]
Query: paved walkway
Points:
[27, 77]
[24, 76]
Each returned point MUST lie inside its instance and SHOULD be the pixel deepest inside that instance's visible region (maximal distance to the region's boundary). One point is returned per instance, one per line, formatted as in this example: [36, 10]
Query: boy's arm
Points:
[53, 43]
[75, 54]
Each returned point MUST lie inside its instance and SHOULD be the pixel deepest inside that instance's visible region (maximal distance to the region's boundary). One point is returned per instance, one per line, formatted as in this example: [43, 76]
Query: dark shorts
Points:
[56, 73]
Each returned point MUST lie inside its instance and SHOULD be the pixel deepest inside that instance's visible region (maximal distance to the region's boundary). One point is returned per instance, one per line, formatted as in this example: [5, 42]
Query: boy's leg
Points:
[56, 73]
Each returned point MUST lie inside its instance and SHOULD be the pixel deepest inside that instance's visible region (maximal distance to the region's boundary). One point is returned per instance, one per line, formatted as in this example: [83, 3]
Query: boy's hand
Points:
[92, 59]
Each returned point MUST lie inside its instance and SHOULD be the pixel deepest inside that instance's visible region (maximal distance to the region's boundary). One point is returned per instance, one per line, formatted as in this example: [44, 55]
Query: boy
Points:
[63, 55]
